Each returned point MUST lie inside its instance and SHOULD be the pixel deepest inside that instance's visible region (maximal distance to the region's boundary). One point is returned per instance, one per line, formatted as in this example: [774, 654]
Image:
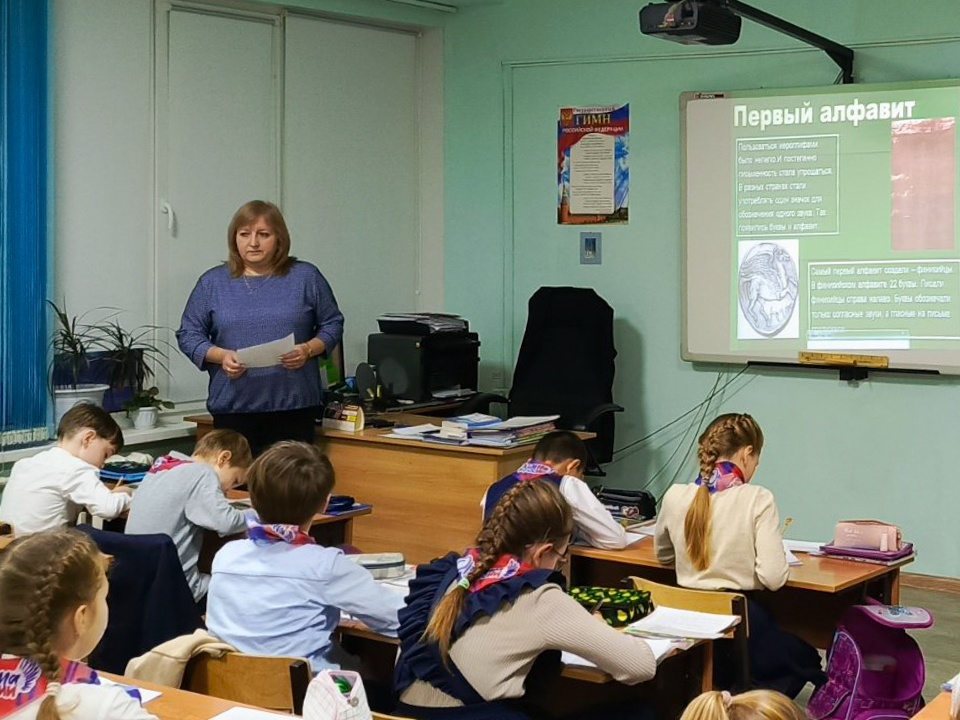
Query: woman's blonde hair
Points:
[723, 437]
[753, 705]
[531, 512]
[44, 578]
[247, 215]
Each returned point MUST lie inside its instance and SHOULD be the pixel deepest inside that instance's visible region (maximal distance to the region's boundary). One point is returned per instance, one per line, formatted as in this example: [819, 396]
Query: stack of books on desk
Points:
[490, 431]
[877, 557]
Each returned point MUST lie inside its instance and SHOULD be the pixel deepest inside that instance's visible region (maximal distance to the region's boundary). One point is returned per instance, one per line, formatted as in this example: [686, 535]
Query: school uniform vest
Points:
[527, 471]
[420, 660]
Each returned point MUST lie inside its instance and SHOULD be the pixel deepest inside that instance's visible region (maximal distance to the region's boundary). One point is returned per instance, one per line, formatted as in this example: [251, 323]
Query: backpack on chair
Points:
[875, 670]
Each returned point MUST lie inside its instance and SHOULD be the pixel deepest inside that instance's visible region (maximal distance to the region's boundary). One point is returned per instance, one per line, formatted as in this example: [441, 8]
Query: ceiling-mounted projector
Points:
[692, 22]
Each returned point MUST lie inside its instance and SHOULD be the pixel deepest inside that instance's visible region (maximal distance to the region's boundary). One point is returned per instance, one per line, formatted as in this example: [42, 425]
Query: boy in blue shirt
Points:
[278, 592]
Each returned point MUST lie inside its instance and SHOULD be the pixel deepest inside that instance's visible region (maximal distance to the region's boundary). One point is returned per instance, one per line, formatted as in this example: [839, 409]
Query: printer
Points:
[414, 366]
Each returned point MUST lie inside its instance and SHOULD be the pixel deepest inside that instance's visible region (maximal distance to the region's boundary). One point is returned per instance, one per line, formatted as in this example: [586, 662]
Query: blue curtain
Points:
[23, 220]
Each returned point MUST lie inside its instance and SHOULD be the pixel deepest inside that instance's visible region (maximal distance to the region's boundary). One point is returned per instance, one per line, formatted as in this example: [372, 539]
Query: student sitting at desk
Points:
[278, 592]
[474, 625]
[723, 533]
[560, 458]
[47, 490]
[53, 612]
[183, 496]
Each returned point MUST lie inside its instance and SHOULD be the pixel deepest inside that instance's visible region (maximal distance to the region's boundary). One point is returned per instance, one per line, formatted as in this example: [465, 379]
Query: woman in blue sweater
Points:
[259, 295]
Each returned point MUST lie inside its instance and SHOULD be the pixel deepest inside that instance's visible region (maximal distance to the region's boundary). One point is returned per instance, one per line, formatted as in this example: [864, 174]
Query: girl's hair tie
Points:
[464, 583]
[52, 688]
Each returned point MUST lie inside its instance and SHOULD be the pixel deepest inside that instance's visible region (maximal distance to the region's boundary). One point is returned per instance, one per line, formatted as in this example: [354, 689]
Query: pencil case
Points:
[381, 565]
[618, 607]
[867, 535]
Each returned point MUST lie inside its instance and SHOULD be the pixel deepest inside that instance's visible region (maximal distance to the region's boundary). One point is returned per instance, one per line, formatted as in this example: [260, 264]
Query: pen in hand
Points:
[786, 524]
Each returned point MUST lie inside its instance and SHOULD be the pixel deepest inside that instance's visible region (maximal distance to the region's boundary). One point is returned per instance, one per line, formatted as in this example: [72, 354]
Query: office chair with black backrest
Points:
[566, 367]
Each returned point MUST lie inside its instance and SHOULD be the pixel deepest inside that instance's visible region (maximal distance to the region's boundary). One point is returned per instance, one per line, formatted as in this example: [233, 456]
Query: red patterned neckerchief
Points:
[22, 681]
[506, 567]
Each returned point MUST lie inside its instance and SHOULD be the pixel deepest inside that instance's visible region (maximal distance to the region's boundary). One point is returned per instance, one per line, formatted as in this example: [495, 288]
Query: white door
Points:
[218, 104]
[351, 167]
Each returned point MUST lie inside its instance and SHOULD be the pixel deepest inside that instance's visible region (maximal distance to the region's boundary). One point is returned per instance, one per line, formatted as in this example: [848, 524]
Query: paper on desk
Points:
[802, 546]
[266, 354]
[791, 558]
[243, 713]
[145, 695]
[632, 537]
[520, 421]
[415, 430]
[673, 623]
[658, 646]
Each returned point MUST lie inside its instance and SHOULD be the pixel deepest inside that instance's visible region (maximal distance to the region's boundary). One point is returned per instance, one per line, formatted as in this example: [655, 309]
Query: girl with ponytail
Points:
[475, 624]
[723, 533]
[753, 705]
[53, 612]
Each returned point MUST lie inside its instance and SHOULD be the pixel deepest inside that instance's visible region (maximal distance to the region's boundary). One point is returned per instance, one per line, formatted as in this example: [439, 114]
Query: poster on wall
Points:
[593, 178]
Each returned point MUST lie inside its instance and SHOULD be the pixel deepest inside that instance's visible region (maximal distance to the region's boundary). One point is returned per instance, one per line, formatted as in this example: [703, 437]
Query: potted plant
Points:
[72, 344]
[128, 357]
[146, 404]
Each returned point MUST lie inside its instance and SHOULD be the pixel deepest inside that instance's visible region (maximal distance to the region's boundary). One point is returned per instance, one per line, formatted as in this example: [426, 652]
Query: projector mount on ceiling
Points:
[717, 22]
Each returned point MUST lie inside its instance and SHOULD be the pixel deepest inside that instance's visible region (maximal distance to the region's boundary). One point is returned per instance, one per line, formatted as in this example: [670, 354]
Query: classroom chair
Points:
[565, 367]
[269, 681]
[149, 599]
[708, 601]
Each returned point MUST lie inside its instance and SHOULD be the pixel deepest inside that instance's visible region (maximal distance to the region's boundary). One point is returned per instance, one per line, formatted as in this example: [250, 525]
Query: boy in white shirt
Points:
[560, 457]
[47, 490]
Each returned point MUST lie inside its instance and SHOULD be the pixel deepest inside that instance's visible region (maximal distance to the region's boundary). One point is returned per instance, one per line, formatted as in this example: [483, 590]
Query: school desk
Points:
[810, 604]
[937, 709]
[680, 677]
[325, 529]
[426, 495]
[176, 704]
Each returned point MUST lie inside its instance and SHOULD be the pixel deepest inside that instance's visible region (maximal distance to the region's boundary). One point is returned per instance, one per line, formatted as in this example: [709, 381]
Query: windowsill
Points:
[169, 425]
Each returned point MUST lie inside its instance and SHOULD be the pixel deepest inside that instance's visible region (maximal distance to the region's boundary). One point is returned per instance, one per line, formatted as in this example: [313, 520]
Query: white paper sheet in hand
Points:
[671, 622]
[267, 354]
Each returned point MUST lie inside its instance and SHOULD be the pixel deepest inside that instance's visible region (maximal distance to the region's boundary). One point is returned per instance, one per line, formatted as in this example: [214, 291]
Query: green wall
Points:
[883, 449]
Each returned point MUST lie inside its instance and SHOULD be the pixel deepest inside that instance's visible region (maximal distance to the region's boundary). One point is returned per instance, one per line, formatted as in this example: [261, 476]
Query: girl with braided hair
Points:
[53, 612]
[723, 533]
[474, 625]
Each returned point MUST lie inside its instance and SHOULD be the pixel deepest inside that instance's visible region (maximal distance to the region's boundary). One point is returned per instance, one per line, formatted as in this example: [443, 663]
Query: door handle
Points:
[167, 210]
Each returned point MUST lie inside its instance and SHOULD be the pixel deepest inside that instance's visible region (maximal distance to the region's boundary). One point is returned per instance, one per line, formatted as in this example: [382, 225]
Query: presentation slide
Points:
[822, 219]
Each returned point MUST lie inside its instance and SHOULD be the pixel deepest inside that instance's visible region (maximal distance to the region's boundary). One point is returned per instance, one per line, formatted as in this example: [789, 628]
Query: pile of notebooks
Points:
[490, 431]
[421, 323]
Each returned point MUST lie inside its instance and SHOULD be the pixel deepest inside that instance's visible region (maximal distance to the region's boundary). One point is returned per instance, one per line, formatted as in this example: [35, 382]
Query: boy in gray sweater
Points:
[183, 496]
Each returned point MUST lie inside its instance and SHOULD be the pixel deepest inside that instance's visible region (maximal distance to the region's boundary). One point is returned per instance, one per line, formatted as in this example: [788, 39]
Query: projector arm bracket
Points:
[840, 54]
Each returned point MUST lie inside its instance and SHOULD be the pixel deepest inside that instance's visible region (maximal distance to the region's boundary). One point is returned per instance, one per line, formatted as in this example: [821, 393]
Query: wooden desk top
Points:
[176, 704]
[375, 436]
[818, 572]
[5, 540]
[356, 628]
[937, 709]
[318, 519]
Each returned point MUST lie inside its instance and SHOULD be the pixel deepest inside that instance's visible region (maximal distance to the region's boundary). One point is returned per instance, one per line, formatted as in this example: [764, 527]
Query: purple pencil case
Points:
[888, 556]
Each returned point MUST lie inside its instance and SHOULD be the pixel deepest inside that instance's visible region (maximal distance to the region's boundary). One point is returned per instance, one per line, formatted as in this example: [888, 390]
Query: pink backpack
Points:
[875, 670]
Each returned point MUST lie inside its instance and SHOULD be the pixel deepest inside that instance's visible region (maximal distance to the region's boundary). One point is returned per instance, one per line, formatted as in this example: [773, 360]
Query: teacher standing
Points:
[259, 295]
